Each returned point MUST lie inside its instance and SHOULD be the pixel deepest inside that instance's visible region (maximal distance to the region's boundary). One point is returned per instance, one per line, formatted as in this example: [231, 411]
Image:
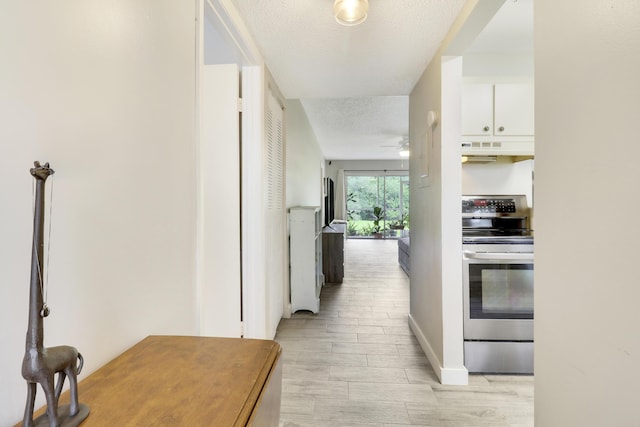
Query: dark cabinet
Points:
[333, 253]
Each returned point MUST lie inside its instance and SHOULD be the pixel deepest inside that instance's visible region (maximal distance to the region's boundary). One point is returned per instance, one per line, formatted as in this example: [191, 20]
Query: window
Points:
[377, 204]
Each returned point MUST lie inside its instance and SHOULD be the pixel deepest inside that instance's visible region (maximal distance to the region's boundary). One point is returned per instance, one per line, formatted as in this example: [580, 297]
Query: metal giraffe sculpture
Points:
[40, 364]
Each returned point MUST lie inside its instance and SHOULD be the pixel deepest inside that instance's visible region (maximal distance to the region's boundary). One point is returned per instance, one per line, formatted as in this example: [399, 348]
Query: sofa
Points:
[403, 253]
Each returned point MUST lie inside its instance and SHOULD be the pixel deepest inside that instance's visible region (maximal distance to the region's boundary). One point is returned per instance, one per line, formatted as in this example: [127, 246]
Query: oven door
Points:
[498, 295]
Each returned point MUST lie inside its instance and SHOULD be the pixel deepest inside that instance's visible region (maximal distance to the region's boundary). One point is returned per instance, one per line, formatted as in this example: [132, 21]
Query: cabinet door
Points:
[306, 259]
[514, 109]
[477, 109]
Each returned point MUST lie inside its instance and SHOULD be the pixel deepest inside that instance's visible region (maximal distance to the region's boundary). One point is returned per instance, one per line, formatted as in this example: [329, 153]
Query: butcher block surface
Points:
[186, 381]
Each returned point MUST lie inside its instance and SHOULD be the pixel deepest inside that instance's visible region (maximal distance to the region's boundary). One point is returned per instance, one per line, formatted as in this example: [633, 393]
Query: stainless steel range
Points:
[498, 284]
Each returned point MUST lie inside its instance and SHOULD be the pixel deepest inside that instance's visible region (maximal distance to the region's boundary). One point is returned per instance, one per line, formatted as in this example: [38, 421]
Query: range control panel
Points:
[493, 205]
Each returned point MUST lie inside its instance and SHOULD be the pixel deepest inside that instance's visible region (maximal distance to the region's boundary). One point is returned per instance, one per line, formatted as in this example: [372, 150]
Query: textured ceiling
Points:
[366, 128]
[312, 56]
[353, 82]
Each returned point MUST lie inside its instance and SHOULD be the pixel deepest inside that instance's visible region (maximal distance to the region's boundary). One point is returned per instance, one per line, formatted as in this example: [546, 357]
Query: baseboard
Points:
[287, 311]
[454, 376]
[447, 376]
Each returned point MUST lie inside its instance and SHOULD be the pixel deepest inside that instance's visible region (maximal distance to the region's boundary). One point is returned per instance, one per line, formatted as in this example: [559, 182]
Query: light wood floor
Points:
[356, 363]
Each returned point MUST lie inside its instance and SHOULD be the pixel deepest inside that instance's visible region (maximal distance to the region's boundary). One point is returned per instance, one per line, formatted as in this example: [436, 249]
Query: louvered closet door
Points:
[276, 217]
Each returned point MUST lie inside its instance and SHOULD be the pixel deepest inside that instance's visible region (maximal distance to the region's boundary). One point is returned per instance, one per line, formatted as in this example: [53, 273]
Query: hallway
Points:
[357, 363]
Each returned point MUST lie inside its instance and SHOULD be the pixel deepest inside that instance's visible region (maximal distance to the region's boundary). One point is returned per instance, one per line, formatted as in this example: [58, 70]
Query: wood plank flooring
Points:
[357, 363]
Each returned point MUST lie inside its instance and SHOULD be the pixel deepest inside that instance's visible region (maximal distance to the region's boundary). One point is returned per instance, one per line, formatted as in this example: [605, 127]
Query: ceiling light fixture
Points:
[350, 12]
[404, 147]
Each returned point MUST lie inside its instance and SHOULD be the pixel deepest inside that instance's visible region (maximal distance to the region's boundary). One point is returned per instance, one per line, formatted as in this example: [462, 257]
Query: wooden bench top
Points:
[179, 381]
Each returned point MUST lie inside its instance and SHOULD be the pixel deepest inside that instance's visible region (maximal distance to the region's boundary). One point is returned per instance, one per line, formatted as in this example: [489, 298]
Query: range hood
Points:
[494, 159]
[498, 148]
[479, 159]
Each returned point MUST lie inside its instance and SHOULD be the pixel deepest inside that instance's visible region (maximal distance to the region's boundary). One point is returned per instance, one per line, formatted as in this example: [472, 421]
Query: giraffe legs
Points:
[60, 383]
[31, 400]
[52, 395]
[65, 362]
[74, 406]
[52, 400]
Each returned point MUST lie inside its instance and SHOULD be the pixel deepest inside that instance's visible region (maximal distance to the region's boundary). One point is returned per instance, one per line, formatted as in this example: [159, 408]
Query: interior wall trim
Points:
[447, 376]
[232, 27]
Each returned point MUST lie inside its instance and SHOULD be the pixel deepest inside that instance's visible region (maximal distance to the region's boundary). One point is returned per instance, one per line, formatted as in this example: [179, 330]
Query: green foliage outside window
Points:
[364, 193]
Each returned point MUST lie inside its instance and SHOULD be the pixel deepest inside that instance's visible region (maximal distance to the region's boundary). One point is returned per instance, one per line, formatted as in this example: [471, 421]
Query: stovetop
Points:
[495, 220]
[494, 206]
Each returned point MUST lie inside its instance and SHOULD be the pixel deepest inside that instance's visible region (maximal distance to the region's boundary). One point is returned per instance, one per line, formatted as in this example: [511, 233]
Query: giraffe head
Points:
[41, 172]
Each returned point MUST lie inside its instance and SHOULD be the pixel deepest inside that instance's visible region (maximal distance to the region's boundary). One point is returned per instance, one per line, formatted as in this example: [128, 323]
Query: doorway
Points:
[377, 204]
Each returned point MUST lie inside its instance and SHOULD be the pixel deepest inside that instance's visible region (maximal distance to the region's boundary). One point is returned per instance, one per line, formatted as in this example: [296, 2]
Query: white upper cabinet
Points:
[513, 109]
[477, 109]
[498, 110]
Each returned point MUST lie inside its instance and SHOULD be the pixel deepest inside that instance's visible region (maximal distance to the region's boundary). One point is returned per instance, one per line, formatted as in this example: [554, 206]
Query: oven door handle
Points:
[499, 255]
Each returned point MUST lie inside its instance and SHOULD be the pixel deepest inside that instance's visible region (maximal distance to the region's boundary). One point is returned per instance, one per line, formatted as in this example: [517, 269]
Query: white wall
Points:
[105, 92]
[305, 160]
[501, 177]
[498, 66]
[426, 306]
[587, 345]
[436, 281]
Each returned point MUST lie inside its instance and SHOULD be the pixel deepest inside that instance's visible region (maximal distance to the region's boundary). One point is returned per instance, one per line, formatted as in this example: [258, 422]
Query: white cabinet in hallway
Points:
[305, 256]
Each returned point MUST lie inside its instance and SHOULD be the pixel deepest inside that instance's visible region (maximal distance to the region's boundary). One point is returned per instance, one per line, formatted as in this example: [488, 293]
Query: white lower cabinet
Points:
[305, 258]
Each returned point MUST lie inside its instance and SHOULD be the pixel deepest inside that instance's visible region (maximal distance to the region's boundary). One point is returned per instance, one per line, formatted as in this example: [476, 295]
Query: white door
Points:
[276, 214]
[218, 257]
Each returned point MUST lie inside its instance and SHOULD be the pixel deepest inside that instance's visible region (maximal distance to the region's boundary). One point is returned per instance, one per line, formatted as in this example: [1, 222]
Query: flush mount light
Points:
[350, 12]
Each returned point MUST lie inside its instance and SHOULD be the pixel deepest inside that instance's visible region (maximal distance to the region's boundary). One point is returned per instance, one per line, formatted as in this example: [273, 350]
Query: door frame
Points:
[227, 21]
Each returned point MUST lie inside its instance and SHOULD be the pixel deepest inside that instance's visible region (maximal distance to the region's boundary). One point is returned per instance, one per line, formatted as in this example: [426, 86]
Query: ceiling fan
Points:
[402, 146]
